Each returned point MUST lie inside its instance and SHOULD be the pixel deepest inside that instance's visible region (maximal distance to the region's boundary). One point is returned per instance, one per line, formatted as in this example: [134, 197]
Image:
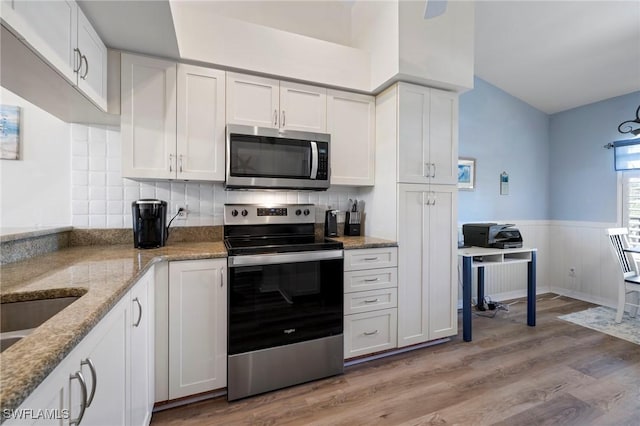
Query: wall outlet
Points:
[182, 215]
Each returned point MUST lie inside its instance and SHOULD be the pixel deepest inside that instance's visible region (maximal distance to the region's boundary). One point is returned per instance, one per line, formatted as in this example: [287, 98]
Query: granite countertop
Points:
[12, 234]
[352, 243]
[101, 275]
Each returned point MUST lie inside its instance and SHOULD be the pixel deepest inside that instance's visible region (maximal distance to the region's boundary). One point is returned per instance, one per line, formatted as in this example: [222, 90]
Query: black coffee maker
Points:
[149, 223]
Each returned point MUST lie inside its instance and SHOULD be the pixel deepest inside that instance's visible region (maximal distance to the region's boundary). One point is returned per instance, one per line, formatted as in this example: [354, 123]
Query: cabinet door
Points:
[443, 137]
[351, 123]
[200, 126]
[141, 366]
[413, 134]
[441, 247]
[253, 101]
[105, 351]
[413, 264]
[303, 107]
[92, 75]
[148, 117]
[197, 327]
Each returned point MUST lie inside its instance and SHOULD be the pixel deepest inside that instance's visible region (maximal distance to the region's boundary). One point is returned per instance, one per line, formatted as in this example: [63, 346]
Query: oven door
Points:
[280, 299]
[270, 158]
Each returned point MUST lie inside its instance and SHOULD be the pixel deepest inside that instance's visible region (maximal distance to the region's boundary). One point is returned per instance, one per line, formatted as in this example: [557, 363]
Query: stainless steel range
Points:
[285, 299]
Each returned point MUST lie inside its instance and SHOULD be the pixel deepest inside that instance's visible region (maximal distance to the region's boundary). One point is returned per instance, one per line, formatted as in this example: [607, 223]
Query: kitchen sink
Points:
[18, 319]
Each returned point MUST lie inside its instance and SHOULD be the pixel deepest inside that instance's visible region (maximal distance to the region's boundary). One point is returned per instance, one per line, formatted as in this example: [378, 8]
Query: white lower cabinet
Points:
[94, 384]
[197, 327]
[370, 301]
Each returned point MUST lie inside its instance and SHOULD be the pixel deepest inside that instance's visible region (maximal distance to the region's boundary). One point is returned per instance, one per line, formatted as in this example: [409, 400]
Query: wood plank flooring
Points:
[556, 373]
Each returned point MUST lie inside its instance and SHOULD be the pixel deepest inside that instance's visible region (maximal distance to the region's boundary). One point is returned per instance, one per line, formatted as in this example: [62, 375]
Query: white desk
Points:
[480, 257]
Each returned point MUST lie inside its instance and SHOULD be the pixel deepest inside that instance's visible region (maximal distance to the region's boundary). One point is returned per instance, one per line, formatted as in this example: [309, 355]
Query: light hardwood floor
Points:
[556, 373]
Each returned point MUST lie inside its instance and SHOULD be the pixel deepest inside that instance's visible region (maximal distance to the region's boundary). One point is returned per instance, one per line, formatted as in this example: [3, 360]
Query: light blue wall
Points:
[503, 134]
[583, 180]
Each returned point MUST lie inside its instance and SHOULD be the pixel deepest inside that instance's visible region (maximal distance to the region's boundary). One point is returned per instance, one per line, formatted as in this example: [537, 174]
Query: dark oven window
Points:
[260, 156]
[273, 305]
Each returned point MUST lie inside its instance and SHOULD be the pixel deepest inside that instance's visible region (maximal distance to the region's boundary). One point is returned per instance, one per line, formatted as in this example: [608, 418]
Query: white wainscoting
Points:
[574, 259]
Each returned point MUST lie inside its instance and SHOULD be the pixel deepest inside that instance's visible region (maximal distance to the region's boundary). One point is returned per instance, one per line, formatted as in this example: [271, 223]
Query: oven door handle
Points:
[280, 258]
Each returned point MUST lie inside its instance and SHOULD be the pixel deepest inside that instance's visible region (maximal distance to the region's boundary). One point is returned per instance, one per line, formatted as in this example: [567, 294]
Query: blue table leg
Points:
[480, 287]
[531, 291]
[466, 298]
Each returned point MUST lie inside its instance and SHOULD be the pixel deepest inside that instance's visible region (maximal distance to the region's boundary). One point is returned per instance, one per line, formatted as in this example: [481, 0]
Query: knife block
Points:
[352, 229]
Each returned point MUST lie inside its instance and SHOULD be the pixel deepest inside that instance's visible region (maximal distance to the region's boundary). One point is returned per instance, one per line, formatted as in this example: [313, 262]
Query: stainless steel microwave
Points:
[263, 158]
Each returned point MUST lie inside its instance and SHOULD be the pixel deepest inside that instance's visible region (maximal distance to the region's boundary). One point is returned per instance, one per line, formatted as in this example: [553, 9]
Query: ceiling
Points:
[553, 55]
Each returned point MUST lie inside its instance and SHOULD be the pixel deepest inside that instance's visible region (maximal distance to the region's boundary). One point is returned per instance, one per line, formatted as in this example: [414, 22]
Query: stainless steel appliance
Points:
[259, 157]
[285, 288]
[149, 223]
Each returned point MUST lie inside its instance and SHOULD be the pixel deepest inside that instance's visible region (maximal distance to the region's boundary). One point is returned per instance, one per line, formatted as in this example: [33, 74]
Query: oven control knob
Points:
[306, 212]
[234, 212]
[298, 212]
[245, 212]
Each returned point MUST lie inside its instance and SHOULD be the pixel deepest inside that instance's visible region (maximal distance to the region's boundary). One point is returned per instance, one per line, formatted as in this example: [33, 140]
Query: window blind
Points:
[627, 154]
[631, 206]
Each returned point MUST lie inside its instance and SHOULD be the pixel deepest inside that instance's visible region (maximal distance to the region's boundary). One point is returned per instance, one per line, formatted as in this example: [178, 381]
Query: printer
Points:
[491, 235]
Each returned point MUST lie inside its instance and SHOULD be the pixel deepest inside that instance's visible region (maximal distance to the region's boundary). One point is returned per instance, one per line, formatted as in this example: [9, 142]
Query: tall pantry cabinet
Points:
[415, 202]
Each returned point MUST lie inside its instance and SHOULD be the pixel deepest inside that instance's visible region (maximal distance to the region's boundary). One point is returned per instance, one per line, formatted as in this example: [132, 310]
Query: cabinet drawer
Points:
[370, 332]
[370, 279]
[385, 257]
[374, 300]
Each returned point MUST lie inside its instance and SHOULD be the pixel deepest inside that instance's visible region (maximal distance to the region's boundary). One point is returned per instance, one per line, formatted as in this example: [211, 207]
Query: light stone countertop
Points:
[11, 234]
[101, 275]
[353, 243]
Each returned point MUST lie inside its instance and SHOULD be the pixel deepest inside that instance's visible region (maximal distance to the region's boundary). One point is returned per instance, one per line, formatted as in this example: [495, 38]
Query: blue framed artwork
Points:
[466, 174]
[9, 132]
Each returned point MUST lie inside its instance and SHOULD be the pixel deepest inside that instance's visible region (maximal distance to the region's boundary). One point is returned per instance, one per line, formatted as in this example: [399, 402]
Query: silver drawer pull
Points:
[83, 390]
[371, 258]
[371, 280]
[372, 301]
[371, 333]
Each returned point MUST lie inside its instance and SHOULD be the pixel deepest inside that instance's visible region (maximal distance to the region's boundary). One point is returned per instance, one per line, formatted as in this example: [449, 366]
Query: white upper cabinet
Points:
[148, 117]
[60, 33]
[351, 123]
[303, 107]
[427, 135]
[172, 120]
[200, 126]
[265, 102]
[92, 72]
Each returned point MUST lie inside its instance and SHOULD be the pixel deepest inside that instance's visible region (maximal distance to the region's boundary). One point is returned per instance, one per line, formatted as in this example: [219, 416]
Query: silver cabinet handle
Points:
[83, 388]
[180, 163]
[433, 203]
[275, 117]
[86, 62]
[221, 277]
[371, 333]
[76, 50]
[94, 379]
[372, 301]
[370, 280]
[170, 162]
[370, 258]
[433, 174]
[137, 323]
[283, 117]
[427, 170]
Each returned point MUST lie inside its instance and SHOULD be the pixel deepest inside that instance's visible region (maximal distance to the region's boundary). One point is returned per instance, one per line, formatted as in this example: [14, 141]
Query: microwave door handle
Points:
[314, 160]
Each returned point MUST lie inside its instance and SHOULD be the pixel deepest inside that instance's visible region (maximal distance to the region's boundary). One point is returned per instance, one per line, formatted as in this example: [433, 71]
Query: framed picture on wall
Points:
[9, 132]
[466, 174]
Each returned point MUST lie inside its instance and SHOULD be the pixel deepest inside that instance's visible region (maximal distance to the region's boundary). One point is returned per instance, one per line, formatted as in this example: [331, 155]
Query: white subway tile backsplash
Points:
[97, 207]
[97, 193]
[79, 207]
[79, 163]
[79, 193]
[98, 221]
[102, 198]
[97, 164]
